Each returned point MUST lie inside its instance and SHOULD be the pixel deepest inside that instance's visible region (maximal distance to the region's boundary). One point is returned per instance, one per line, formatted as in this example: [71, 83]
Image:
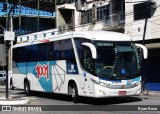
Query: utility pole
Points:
[6, 43]
[38, 3]
[144, 33]
[145, 25]
[20, 18]
[122, 17]
[8, 36]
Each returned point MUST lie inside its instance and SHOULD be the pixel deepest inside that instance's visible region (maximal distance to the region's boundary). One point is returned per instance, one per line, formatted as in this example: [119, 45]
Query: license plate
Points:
[122, 92]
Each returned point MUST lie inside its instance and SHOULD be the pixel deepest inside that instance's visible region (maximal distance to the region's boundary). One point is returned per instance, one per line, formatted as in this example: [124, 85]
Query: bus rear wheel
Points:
[74, 93]
[27, 88]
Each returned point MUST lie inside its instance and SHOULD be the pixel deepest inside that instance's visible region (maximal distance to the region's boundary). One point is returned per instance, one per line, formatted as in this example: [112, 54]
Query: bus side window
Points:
[15, 55]
[80, 49]
[67, 51]
[43, 52]
[56, 50]
[50, 48]
[22, 54]
[33, 53]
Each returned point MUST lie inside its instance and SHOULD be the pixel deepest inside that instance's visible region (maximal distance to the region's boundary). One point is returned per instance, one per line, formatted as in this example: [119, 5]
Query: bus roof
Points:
[103, 35]
[92, 35]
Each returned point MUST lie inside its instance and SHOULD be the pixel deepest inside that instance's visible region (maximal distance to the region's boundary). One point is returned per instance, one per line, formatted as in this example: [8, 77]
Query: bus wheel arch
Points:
[27, 87]
[73, 91]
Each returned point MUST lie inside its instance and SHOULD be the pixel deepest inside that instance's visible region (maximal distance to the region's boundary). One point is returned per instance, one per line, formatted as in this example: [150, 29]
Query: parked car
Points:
[2, 78]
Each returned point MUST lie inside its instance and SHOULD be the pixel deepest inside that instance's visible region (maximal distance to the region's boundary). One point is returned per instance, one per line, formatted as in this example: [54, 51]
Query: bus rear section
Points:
[45, 67]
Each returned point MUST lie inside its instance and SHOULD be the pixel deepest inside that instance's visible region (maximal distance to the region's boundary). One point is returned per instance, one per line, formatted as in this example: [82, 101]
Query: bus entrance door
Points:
[88, 85]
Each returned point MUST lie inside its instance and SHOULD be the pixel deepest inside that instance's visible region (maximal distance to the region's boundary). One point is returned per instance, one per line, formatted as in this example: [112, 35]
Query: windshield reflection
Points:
[116, 60]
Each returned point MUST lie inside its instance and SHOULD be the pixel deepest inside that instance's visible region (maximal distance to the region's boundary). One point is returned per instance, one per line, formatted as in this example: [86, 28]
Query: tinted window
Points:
[58, 50]
[43, 52]
[15, 54]
[61, 50]
[67, 50]
[54, 50]
[33, 53]
[20, 54]
[83, 53]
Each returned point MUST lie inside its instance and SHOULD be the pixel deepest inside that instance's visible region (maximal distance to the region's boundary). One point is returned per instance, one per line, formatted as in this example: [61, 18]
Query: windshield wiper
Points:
[116, 62]
[114, 67]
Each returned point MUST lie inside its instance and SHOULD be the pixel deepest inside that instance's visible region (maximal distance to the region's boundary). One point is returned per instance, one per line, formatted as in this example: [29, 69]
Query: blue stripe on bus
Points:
[137, 79]
[45, 83]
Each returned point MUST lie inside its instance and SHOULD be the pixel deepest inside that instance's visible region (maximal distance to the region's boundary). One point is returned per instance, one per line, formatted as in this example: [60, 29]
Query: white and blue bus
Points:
[85, 63]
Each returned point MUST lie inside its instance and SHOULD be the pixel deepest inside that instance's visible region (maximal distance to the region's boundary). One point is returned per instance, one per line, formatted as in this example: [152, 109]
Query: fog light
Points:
[102, 92]
[138, 83]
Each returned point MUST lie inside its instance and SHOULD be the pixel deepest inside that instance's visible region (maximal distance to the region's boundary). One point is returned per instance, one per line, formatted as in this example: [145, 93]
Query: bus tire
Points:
[11, 85]
[74, 93]
[27, 88]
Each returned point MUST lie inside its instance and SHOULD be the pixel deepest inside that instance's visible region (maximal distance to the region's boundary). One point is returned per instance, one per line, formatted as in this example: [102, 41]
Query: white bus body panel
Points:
[59, 76]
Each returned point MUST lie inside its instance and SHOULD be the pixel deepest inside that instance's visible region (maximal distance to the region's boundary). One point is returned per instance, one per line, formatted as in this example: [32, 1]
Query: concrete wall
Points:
[135, 29]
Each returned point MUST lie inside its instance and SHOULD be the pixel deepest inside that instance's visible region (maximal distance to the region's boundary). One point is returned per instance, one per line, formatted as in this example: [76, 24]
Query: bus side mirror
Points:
[145, 51]
[92, 48]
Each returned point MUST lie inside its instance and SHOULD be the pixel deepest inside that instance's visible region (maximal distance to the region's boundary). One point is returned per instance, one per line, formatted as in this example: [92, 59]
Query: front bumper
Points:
[101, 92]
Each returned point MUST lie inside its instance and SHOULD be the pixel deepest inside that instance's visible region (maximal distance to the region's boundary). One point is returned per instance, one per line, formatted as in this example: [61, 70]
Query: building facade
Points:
[90, 15]
[28, 16]
[143, 25]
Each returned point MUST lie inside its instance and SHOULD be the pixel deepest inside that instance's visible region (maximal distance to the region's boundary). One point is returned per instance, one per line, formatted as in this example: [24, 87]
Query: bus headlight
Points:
[99, 83]
[102, 84]
[95, 81]
[138, 83]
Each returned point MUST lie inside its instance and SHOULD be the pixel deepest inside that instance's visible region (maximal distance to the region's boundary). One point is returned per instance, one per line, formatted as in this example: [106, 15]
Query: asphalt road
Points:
[57, 103]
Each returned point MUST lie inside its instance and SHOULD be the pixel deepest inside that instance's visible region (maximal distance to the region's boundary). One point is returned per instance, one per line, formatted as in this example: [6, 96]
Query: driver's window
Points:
[87, 61]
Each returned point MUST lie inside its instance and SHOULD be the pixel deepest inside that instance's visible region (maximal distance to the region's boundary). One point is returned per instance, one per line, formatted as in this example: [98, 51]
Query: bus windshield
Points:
[116, 60]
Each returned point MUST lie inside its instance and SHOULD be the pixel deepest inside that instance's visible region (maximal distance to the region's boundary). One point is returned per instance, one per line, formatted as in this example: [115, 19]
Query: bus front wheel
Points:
[74, 93]
[27, 88]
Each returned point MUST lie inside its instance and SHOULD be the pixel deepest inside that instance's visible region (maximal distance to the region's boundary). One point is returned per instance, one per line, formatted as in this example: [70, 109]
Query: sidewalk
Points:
[154, 93]
[13, 99]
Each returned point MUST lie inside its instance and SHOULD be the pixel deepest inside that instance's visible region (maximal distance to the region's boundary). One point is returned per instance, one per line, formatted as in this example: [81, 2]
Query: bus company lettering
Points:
[42, 71]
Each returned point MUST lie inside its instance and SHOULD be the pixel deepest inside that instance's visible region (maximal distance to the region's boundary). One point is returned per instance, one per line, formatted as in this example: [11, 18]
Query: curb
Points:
[153, 93]
[13, 101]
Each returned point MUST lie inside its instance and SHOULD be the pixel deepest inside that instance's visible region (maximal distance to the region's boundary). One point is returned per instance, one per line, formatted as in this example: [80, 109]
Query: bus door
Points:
[88, 66]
